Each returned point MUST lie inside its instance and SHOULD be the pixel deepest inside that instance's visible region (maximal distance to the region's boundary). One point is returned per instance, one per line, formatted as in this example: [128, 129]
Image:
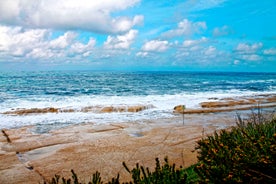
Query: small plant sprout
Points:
[183, 109]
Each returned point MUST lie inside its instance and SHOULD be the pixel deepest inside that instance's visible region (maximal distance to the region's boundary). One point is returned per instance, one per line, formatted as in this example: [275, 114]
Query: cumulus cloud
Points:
[36, 43]
[271, 51]
[88, 15]
[248, 48]
[78, 47]
[142, 54]
[210, 51]
[251, 57]
[186, 27]
[194, 49]
[155, 46]
[18, 42]
[222, 31]
[249, 52]
[254, 52]
[189, 43]
[121, 41]
[63, 41]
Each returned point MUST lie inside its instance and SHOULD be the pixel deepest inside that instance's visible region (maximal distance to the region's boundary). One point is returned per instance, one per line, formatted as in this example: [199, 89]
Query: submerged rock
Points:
[33, 111]
[178, 109]
[94, 109]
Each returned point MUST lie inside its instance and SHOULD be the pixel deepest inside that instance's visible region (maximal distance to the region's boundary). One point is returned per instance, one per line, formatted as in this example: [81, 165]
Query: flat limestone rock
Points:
[13, 171]
[89, 148]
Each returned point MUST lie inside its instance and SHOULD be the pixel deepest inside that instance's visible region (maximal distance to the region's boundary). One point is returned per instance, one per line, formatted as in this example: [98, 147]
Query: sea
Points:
[76, 90]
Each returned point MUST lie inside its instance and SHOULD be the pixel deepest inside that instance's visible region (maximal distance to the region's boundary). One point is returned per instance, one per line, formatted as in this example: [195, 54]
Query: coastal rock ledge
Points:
[94, 109]
[31, 158]
[231, 104]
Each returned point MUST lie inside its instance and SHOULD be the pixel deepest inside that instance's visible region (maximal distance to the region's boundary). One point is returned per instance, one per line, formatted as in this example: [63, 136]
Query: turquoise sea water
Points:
[79, 89]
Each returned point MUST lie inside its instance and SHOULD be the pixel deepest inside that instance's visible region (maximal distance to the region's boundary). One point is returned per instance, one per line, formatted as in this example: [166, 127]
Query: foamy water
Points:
[75, 91]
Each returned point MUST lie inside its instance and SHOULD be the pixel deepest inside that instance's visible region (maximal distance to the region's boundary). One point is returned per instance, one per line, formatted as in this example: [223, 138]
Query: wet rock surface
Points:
[231, 104]
[95, 109]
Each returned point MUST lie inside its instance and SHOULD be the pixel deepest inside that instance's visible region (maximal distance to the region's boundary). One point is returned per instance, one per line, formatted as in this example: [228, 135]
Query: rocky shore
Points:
[95, 109]
[29, 157]
[33, 158]
[231, 104]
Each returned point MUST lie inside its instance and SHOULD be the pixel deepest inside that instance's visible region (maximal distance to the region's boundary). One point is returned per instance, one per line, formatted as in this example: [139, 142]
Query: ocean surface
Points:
[80, 89]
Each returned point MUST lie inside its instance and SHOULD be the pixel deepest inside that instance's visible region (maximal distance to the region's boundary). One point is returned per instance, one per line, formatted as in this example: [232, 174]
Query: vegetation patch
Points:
[163, 174]
[246, 154]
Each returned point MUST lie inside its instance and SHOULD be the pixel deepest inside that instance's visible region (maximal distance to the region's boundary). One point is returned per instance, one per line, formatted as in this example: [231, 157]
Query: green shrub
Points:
[165, 174]
[96, 179]
[246, 154]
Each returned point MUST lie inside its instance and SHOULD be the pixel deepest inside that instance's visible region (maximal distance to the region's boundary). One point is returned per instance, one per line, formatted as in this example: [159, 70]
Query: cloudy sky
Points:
[190, 35]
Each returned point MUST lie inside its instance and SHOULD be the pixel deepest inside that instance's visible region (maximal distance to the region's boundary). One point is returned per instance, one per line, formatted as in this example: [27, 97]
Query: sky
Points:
[188, 35]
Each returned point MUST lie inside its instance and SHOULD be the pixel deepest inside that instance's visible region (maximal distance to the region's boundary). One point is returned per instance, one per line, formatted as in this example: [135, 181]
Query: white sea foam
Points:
[163, 104]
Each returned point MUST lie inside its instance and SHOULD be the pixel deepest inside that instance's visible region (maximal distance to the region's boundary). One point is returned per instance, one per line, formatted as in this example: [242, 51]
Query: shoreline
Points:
[53, 116]
[210, 106]
[89, 147]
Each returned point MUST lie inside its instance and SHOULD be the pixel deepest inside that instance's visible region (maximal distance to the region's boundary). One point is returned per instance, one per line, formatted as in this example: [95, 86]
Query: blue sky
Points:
[189, 35]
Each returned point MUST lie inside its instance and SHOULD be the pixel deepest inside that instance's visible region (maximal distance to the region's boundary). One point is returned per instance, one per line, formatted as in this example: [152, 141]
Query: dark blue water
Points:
[24, 84]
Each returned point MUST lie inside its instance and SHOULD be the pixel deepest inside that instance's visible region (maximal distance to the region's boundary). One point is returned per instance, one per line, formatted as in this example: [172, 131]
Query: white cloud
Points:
[186, 27]
[211, 50]
[29, 43]
[138, 20]
[155, 46]
[189, 43]
[248, 48]
[198, 5]
[249, 52]
[83, 48]
[222, 31]
[271, 51]
[150, 47]
[251, 57]
[236, 62]
[9, 10]
[88, 15]
[63, 41]
[142, 54]
[121, 41]
[18, 42]
[41, 53]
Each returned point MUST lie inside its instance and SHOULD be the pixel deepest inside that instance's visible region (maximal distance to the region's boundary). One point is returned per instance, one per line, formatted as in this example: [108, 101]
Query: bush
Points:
[165, 174]
[246, 154]
[96, 179]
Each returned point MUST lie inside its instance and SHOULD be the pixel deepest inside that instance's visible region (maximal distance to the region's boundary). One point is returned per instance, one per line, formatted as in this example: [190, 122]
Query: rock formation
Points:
[95, 109]
[231, 104]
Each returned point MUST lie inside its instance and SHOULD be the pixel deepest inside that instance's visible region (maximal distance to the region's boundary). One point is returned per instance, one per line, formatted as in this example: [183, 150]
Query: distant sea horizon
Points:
[7, 70]
[85, 88]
